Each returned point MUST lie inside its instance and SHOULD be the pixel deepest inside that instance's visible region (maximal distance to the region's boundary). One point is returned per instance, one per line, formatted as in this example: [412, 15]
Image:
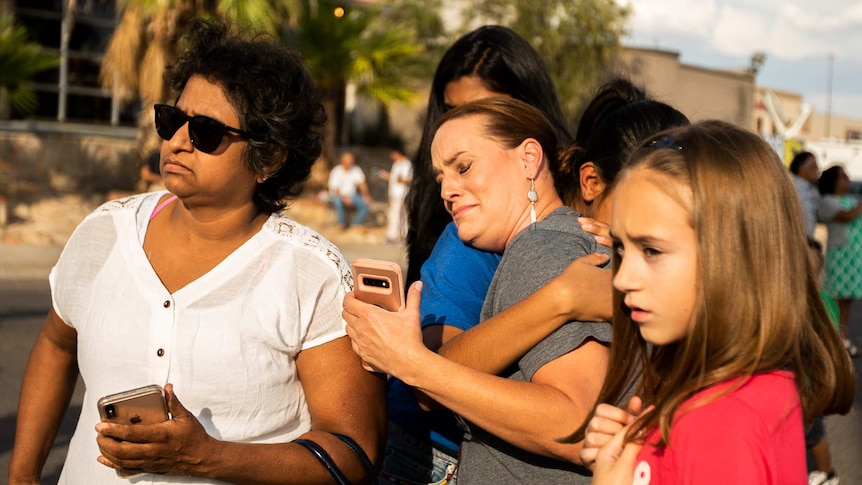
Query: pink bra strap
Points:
[162, 206]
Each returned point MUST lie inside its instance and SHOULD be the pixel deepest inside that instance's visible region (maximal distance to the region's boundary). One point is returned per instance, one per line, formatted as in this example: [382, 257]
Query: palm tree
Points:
[358, 46]
[19, 61]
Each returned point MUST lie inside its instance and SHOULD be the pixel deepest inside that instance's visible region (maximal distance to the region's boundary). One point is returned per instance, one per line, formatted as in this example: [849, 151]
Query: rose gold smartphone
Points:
[144, 405]
[379, 283]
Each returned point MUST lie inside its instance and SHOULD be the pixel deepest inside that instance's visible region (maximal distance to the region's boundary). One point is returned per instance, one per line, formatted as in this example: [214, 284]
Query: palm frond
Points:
[20, 60]
[123, 56]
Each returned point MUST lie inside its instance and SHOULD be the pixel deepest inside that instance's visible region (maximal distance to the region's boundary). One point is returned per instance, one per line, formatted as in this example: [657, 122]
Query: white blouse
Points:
[226, 341]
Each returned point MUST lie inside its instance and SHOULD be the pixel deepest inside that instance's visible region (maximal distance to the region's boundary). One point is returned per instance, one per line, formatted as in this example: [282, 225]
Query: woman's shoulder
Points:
[123, 206]
[760, 398]
[304, 239]
[560, 230]
[450, 247]
[129, 203]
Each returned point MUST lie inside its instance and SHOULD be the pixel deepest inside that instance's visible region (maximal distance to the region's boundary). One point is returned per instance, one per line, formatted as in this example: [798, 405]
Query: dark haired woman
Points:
[805, 173]
[207, 290]
[840, 211]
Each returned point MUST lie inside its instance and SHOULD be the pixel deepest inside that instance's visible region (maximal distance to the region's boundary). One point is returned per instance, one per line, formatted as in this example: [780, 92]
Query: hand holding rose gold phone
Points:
[379, 283]
[144, 405]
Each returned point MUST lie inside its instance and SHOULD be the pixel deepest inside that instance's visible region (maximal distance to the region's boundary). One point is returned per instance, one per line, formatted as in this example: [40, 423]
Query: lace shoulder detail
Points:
[286, 227]
[112, 207]
[124, 203]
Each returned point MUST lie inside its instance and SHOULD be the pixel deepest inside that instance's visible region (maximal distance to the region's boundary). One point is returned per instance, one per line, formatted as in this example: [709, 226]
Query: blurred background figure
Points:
[399, 177]
[805, 173]
[820, 470]
[349, 190]
[840, 212]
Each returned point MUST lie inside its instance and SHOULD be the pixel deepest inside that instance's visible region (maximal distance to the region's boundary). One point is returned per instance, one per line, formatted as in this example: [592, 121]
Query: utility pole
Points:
[66, 26]
[831, 59]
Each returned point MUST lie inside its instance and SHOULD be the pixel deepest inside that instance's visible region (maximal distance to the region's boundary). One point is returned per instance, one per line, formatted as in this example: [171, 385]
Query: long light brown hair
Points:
[758, 303]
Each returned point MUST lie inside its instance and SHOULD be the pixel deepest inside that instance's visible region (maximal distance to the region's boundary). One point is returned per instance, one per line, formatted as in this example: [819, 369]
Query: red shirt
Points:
[754, 435]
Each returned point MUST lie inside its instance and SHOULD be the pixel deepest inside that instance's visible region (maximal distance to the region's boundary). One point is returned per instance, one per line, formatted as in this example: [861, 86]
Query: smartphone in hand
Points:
[144, 405]
[379, 283]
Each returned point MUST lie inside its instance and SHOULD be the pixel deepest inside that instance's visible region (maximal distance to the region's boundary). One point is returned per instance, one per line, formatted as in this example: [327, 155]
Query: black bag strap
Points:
[360, 453]
[324, 458]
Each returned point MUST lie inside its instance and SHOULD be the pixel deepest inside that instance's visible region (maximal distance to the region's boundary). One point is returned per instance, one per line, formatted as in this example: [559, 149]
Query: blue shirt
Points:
[455, 279]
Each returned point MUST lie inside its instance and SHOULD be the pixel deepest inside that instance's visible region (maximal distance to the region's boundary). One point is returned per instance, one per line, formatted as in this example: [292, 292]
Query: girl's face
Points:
[219, 177]
[482, 183]
[466, 89]
[658, 249]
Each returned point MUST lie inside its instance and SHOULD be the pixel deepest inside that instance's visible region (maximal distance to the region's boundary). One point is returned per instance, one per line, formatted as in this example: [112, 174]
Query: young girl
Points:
[731, 348]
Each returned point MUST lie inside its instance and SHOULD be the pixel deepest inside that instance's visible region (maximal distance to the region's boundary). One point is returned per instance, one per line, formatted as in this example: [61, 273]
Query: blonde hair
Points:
[758, 305]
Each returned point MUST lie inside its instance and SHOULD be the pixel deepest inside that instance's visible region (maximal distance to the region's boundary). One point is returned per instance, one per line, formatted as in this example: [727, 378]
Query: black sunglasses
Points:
[206, 133]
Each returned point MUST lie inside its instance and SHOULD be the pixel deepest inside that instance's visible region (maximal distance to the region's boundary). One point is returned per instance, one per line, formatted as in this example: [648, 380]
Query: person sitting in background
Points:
[210, 292]
[348, 189]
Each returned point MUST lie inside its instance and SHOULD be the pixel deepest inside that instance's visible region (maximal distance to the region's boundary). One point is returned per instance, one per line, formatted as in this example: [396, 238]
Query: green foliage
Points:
[578, 39]
[375, 48]
[262, 15]
[358, 47]
[20, 60]
[422, 18]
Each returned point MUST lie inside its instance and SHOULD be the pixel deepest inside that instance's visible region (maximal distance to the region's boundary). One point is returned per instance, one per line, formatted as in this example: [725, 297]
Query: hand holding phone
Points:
[144, 405]
[379, 283]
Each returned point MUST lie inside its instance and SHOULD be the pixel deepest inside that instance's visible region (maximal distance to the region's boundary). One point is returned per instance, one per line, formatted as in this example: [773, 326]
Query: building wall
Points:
[698, 92]
[841, 128]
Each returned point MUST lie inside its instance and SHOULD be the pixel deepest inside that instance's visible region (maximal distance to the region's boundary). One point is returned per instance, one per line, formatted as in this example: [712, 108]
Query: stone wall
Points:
[38, 160]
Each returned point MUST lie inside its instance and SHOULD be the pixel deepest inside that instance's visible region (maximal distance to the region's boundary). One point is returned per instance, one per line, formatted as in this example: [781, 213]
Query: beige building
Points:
[784, 119]
[699, 92]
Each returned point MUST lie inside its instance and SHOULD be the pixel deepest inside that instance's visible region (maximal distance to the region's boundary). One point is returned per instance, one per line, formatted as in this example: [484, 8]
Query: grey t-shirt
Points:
[535, 256]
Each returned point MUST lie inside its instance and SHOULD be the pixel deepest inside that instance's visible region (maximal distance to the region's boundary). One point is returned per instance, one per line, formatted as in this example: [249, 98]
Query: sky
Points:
[798, 37]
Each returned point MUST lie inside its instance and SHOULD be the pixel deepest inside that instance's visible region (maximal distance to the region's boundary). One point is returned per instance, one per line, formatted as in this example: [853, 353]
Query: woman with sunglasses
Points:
[206, 290]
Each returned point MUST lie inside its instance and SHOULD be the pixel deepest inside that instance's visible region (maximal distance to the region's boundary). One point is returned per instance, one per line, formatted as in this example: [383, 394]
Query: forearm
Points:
[46, 390]
[285, 463]
[529, 415]
[849, 215]
[581, 292]
[500, 341]
[355, 408]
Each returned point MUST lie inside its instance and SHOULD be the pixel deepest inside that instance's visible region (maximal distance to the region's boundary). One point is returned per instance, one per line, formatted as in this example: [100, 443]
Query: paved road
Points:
[24, 301]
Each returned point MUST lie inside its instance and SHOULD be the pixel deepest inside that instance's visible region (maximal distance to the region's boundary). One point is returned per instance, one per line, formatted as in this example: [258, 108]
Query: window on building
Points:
[81, 98]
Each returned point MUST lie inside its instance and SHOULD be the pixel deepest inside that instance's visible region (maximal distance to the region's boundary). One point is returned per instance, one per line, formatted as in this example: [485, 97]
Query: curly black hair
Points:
[274, 95]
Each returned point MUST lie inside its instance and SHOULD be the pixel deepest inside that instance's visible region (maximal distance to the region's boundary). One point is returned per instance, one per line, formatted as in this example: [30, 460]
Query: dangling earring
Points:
[532, 196]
